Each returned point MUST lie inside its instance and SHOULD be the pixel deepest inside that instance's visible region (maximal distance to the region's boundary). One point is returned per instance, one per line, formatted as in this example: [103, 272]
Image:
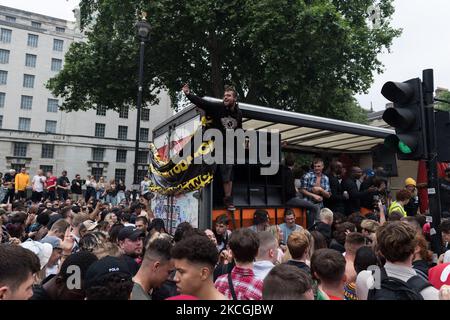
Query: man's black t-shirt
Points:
[222, 117]
[444, 186]
[76, 188]
[301, 265]
[63, 181]
[9, 178]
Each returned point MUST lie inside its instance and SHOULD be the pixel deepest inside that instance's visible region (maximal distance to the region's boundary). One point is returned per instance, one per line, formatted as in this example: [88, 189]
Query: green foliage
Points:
[307, 56]
[444, 95]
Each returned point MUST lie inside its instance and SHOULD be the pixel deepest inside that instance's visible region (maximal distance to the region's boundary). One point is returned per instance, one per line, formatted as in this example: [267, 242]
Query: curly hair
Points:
[111, 287]
[341, 229]
[197, 249]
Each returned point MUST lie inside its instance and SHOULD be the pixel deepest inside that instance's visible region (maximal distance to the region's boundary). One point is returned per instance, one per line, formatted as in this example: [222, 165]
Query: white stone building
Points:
[34, 133]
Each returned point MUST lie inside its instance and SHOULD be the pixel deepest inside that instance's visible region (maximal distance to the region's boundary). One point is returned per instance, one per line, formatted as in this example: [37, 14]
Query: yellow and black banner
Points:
[183, 174]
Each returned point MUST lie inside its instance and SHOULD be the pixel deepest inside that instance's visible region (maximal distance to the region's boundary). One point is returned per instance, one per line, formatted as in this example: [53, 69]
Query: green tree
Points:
[444, 95]
[307, 56]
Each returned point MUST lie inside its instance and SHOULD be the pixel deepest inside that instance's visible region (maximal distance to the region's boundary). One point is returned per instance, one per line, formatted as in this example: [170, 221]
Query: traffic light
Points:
[442, 123]
[407, 117]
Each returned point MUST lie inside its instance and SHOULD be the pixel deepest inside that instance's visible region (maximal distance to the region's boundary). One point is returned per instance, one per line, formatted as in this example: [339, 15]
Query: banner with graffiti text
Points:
[180, 174]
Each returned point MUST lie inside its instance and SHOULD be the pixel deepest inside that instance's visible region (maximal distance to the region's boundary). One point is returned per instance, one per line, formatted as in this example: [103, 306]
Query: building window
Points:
[120, 174]
[56, 65]
[143, 134]
[26, 102]
[142, 174]
[4, 56]
[46, 168]
[101, 111]
[123, 133]
[59, 29]
[28, 81]
[35, 24]
[24, 124]
[145, 114]
[1, 121]
[48, 151]
[98, 154]
[5, 35]
[3, 77]
[2, 99]
[30, 60]
[58, 45]
[52, 105]
[33, 40]
[121, 156]
[143, 157]
[100, 130]
[97, 173]
[50, 126]
[123, 113]
[20, 149]
[10, 19]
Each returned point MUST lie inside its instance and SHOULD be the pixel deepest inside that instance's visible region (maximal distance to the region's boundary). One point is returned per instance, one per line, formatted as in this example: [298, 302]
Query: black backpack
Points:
[396, 289]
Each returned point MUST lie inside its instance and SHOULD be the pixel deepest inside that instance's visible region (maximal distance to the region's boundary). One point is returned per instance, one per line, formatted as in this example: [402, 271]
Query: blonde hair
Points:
[105, 249]
[370, 225]
[326, 214]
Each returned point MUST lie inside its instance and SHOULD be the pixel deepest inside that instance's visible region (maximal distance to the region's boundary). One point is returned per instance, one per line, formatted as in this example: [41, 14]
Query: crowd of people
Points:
[43, 186]
[74, 248]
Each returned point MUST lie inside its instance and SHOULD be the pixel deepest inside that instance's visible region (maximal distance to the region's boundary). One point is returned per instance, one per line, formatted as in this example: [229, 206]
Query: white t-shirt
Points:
[38, 183]
[144, 187]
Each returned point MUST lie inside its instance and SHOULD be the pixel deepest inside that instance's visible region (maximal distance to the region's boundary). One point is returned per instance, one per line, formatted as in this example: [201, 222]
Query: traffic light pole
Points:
[434, 198]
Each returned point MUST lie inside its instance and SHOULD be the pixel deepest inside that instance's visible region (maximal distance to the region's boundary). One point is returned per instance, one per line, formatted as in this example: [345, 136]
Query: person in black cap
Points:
[130, 240]
[261, 222]
[108, 279]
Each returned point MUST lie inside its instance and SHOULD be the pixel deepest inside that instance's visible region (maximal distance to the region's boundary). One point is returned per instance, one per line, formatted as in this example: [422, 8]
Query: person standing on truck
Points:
[225, 115]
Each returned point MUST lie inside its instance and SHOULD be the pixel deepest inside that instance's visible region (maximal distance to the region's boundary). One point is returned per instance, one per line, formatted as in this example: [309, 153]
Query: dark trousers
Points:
[90, 193]
[50, 194]
[63, 195]
[313, 210]
[37, 196]
[9, 195]
[21, 195]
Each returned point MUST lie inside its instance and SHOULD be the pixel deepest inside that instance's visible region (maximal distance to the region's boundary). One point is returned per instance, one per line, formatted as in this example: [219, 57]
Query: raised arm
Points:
[199, 102]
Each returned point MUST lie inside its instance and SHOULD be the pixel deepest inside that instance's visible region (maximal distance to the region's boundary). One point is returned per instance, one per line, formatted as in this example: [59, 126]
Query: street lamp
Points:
[143, 35]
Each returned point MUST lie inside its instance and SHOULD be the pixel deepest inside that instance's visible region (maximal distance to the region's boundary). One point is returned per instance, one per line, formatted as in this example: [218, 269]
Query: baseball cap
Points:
[260, 216]
[131, 233]
[54, 241]
[410, 182]
[104, 267]
[439, 275]
[42, 250]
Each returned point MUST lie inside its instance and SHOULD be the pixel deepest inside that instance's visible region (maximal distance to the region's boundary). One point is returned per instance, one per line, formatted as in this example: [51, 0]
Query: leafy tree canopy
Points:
[307, 56]
[444, 95]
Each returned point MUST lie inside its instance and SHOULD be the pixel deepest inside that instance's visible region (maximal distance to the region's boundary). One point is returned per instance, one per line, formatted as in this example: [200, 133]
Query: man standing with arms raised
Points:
[225, 115]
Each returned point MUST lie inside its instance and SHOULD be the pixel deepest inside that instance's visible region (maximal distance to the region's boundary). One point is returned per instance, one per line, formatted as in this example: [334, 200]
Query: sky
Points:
[422, 45]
